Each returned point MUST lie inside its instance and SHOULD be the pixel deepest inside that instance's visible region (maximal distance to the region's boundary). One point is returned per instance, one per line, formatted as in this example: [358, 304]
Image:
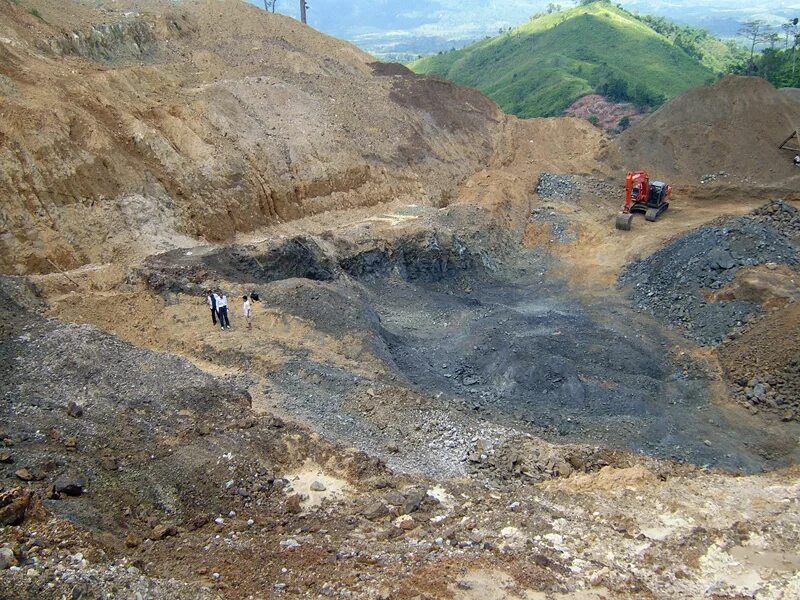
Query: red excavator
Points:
[642, 195]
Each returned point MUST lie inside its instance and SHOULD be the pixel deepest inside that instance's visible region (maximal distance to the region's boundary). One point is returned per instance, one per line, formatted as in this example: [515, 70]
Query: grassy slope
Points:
[543, 66]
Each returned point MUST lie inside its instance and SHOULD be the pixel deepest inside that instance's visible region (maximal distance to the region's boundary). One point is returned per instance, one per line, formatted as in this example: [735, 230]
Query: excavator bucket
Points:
[624, 221]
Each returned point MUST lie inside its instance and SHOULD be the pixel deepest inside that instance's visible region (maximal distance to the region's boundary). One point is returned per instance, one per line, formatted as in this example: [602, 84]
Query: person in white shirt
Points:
[797, 160]
[247, 311]
[222, 310]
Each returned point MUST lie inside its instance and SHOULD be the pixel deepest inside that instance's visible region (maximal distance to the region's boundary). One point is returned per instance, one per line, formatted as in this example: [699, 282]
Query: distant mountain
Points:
[540, 68]
[404, 29]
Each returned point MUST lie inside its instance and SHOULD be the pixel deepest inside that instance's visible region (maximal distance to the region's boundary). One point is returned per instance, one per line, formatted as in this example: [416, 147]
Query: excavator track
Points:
[653, 213]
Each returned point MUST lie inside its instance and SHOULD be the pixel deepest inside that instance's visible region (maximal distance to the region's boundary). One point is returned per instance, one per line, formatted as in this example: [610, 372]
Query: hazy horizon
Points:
[391, 27]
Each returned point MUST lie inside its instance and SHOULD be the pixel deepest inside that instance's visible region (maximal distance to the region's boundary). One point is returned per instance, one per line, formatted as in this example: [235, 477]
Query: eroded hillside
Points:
[127, 129]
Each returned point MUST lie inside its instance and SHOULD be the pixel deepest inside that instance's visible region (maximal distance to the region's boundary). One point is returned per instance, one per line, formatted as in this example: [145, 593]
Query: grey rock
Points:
[412, 503]
[71, 485]
[7, 559]
[395, 498]
[375, 510]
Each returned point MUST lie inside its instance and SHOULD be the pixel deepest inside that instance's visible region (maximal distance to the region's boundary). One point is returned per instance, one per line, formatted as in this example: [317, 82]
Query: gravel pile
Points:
[671, 283]
[778, 392]
[553, 186]
[781, 216]
[560, 187]
[560, 225]
[602, 188]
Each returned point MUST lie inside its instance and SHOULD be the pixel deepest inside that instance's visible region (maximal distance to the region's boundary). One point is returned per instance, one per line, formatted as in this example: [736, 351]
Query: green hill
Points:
[541, 67]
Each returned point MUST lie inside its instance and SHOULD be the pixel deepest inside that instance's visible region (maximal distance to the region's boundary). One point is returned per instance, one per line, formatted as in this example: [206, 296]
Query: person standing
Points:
[212, 304]
[247, 311]
[222, 311]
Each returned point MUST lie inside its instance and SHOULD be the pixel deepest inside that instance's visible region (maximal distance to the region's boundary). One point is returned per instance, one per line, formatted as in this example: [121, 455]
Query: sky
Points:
[427, 26]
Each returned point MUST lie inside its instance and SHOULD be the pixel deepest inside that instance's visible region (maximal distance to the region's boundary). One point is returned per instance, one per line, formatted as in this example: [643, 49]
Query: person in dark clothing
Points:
[212, 304]
[222, 310]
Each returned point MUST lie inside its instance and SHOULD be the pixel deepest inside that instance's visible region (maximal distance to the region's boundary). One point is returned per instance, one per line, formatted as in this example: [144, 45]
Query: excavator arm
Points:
[637, 186]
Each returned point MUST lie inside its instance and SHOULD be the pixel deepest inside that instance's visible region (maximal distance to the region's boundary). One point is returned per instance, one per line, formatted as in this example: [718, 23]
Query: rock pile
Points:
[781, 216]
[672, 282]
[534, 460]
[713, 177]
[559, 187]
[555, 186]
[777, 393]
[761, 363]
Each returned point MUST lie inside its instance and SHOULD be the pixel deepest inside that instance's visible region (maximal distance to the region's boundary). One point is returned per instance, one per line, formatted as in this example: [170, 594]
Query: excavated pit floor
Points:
[515, 348]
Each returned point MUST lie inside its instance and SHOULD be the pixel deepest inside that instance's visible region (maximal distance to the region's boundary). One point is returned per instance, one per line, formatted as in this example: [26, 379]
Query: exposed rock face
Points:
[204, 119]
[125, 41]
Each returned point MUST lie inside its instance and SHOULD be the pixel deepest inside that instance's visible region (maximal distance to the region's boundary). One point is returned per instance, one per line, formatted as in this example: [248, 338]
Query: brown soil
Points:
[189, 126]
[793, 93]
[768, 350]
[730, 130]
[771, 286]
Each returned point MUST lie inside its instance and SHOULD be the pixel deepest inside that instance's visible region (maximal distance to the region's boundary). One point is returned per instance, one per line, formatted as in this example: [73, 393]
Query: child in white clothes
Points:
[247, 311]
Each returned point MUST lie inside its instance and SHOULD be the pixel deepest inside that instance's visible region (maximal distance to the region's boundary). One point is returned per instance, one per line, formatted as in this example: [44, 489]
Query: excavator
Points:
[643, 195]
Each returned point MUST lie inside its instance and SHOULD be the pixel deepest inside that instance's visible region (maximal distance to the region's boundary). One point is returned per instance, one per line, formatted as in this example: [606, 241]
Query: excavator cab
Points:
[657, 202]
[642, 195]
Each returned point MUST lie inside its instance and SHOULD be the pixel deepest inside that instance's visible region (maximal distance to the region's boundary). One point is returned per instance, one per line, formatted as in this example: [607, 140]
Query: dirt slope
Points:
[137, 126]
[731, 130]
[793, 93]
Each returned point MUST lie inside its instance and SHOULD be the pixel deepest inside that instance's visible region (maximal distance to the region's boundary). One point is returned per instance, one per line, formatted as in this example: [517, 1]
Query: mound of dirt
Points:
[733, 127]
[793, 93]
[763, 363]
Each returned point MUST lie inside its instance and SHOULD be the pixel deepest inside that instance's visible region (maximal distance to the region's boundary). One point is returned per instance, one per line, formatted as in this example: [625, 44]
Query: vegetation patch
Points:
[543, 66]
